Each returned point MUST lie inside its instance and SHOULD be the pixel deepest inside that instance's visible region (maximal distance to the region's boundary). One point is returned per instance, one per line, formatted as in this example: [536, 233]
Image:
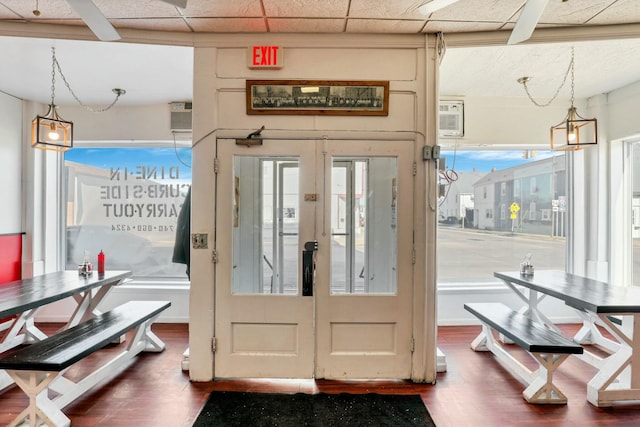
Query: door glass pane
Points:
[363, 227]
[265, 222]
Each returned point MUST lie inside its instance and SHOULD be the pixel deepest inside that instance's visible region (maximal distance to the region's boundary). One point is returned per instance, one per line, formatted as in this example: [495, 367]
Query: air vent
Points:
[451, 119]
[181, 116]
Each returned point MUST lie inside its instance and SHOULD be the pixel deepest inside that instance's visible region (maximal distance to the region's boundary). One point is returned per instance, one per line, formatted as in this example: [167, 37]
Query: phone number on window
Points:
[123, 227]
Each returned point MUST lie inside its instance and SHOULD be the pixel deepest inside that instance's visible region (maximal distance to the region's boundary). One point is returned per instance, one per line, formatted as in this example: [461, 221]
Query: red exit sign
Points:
[266, 57]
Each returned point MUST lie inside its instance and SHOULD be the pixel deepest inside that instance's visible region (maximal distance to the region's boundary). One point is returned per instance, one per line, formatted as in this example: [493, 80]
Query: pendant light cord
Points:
[56, 66]
[53, 77]
[570, 69]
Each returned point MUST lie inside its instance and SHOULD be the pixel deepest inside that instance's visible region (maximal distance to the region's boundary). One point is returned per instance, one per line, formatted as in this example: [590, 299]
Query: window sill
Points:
[157, 284]
[445, 287]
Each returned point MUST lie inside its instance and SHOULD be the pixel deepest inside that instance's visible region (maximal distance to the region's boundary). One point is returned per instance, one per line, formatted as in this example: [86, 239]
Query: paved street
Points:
[473, 255]
[464, 255]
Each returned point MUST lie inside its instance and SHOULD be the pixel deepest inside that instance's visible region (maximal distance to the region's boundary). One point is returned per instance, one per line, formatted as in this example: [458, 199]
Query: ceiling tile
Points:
[228, 25]
[306, 25]
[160, 24]
[223, 8]
[306, 8]
[460, 26]
[7, 13]
[49, 9]
[384, 26]
[558, 12]
[621, 12]
[385, 9]
[135, 9]
[474, 10]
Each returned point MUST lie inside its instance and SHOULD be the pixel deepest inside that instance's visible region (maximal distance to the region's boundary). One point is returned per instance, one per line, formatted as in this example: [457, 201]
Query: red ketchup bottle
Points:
[101, 263]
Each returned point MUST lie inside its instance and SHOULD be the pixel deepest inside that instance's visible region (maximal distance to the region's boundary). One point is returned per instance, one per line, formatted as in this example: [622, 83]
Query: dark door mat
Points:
[289, 410]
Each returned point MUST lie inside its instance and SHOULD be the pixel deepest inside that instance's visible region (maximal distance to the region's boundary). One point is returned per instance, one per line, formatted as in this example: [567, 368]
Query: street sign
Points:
[562, 203]
[514, 208]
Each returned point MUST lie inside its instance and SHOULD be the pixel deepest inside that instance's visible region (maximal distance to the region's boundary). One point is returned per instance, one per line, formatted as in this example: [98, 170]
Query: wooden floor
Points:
[475, 391]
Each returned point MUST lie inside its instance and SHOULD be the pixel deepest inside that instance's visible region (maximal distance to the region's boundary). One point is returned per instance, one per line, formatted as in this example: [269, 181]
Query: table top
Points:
[21, 295]
[579, 292]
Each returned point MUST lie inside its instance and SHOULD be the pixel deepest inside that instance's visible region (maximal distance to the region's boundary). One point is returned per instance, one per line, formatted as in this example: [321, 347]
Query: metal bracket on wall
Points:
[248, 142]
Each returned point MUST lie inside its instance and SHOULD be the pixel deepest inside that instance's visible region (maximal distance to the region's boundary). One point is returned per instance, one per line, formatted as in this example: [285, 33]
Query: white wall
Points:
[120, 123]
[623, 112]
[507, 121]
[11, 164]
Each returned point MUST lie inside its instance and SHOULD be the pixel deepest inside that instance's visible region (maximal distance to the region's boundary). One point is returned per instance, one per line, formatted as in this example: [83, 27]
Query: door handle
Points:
[308, 268]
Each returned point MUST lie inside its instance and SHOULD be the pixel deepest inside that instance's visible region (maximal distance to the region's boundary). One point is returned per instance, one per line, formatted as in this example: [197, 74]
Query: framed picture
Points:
[318, 97]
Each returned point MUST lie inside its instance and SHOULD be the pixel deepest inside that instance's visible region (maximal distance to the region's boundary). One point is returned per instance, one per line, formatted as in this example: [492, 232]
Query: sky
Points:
[486, 160]
[459, 160]
[107, 158]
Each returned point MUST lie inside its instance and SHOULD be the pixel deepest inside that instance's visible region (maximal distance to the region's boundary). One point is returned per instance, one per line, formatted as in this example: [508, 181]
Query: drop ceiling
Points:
[154, 73]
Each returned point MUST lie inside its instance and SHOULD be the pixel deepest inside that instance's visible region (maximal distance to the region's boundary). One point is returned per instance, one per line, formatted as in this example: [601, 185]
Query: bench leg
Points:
[510, 363]
[590, 334]
[154, 344]
[479, 343]
[41, 409]
[68, 390]
[21, 330]
[542, 389]
[619, 376]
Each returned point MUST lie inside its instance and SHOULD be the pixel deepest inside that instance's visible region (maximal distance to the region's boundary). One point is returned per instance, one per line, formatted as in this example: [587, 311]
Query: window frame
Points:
[490, 283]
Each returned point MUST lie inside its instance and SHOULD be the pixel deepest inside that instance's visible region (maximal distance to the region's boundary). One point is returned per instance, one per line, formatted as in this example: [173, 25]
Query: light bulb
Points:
[53, 133]
[571, 133]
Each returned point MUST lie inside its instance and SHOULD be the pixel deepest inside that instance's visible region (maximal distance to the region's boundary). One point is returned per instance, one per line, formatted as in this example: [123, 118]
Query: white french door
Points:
[314, 259]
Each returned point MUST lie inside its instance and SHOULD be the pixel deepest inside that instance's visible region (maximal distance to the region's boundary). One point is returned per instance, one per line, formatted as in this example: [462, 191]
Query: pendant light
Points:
[52, 132]
[574, 131]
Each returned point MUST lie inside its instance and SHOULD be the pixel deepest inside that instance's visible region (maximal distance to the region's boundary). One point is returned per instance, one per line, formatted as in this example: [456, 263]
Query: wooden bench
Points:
[38, 369]
[547, 347]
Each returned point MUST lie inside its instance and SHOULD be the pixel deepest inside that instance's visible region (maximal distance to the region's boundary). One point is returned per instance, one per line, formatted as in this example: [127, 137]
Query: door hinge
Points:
[213, 345]
[413, 255]
[216, 165]
[214, 256]
[415, 169]
[413, 344]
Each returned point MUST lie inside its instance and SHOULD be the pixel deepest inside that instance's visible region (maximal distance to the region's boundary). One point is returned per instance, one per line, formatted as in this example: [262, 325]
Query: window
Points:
[635, 211]
[125, 202]
[265, 230]
[363, 216]
[533, 187]
[532, 211]
[487, 242]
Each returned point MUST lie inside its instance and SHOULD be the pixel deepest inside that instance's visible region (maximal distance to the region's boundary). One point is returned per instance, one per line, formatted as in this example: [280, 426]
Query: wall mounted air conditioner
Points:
[451, 119]
[180, 116]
